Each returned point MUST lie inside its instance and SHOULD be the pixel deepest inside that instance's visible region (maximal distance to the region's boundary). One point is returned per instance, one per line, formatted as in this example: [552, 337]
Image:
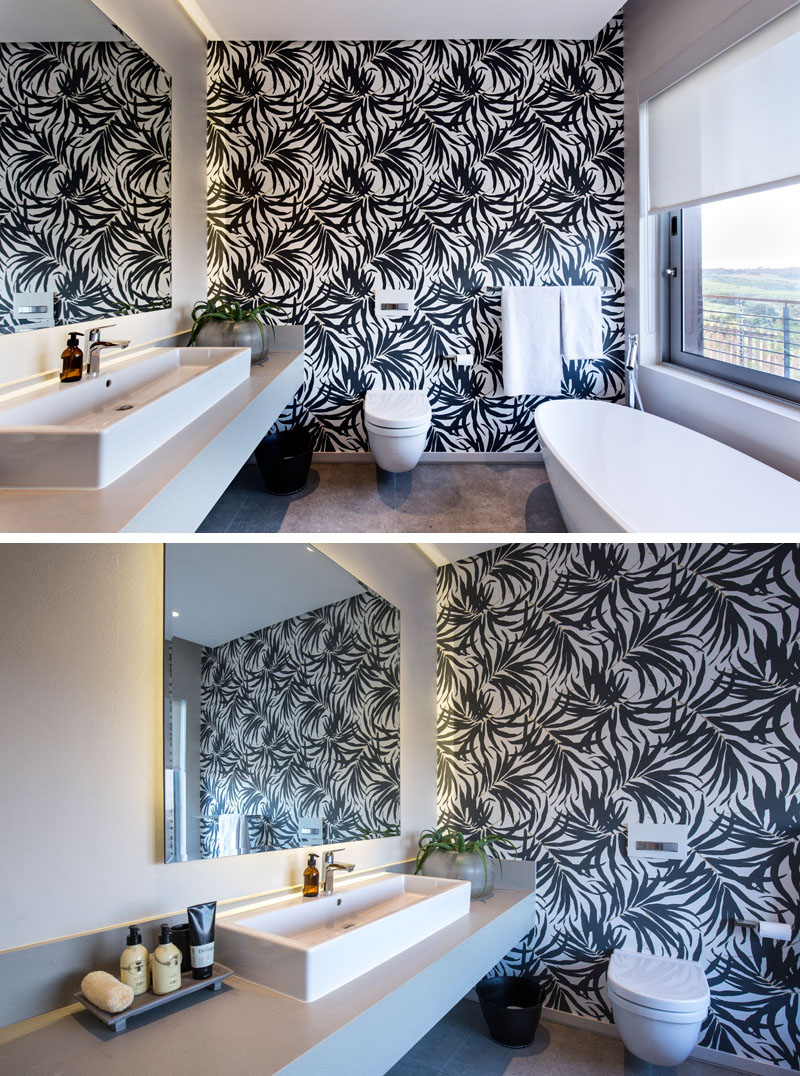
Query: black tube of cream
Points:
[201, 938]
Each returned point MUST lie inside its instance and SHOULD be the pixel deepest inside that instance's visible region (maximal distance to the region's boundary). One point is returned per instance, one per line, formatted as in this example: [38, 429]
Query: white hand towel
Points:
[531, 341]
[243, 835]
[581, 324]
[232, 838]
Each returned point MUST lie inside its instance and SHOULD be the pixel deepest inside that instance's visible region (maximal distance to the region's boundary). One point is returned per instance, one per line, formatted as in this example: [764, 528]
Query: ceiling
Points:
[441, 553]
[43, 20]
[370, 20]
[223, 591]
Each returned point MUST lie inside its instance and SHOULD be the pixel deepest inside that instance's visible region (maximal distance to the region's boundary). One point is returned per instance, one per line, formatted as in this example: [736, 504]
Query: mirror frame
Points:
[312, 837]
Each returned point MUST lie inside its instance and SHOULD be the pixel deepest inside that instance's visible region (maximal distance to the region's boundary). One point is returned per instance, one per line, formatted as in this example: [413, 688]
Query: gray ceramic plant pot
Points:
[235, 334]
[466, 866]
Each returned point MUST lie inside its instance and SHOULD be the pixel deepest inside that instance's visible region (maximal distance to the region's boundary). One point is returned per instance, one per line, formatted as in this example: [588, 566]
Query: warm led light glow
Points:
[200, 19]
[365, 875]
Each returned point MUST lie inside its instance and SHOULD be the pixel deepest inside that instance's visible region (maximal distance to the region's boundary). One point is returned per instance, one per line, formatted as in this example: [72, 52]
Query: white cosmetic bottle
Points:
[134, 963]
[166, 963]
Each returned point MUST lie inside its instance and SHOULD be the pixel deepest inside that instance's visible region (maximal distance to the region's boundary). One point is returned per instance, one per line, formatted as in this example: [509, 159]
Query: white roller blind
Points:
[733, 125]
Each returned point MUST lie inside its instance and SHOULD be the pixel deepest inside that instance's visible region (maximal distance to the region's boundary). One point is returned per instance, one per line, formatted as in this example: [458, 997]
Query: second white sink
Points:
[85, 436]
[306, 947]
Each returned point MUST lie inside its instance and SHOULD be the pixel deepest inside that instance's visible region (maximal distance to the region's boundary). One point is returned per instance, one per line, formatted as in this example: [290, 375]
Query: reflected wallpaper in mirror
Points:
[85, 131]
[281, 722]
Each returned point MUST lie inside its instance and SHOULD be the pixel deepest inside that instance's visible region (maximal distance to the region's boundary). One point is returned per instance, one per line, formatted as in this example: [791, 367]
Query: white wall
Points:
[664, 42]
[80, 739]
[165, 32]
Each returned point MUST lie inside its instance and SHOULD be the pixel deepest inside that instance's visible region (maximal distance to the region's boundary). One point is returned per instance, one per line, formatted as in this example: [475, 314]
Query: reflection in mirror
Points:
[282, 702]
[84, 168]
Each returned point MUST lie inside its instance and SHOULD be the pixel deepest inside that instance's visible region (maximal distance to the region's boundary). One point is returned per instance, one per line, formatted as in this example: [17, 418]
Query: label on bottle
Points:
[174, 976]
[166, 969]
[202, 955]
[135, 975]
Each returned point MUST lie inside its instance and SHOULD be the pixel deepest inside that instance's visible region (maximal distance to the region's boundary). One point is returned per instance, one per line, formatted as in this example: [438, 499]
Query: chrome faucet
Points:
[330, 867]
[96, 345]
[632, 397]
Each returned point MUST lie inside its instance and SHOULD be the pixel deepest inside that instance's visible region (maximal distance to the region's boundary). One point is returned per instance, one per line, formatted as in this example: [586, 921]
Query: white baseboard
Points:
[436, 457]
[729, 1062]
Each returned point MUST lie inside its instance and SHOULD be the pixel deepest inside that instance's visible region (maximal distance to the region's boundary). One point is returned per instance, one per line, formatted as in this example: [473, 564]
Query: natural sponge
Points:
[106, 992]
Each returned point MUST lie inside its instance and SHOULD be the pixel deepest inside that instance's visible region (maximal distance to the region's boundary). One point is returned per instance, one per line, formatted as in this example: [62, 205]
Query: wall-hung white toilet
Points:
[659, 1005]
[397, 422]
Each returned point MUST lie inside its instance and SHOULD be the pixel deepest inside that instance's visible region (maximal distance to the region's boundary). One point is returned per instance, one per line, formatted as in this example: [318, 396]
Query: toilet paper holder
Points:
[771, 929]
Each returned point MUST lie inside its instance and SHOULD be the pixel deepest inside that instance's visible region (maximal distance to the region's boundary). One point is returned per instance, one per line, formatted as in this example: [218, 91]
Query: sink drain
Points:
[124, 407]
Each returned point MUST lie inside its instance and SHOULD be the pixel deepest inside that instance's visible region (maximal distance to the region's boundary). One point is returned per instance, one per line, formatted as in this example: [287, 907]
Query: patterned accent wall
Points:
[303, 718]
[583, 685]
[85, 133]
[447, 167]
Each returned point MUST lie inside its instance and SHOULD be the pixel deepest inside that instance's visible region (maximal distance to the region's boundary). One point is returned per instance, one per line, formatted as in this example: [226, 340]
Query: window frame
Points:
[671, 273]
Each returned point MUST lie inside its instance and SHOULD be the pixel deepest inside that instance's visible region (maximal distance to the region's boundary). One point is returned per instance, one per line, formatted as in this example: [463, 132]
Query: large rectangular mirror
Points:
[281, 716]
[85, 134]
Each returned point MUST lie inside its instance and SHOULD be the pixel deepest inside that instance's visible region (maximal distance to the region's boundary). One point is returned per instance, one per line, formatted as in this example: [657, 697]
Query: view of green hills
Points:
[746, 321]
[757, 283]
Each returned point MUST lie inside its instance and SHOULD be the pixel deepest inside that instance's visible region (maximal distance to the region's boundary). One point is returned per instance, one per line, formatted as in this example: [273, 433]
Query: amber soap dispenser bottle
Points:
[311, 878]
[72, 359]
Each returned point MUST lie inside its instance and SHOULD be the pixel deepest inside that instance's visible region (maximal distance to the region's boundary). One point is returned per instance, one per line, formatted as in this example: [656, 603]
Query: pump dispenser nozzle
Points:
[134, 936]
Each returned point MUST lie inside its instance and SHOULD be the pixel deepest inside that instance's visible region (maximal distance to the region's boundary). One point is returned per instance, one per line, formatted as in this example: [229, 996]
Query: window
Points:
[723, 160]
[733, 289]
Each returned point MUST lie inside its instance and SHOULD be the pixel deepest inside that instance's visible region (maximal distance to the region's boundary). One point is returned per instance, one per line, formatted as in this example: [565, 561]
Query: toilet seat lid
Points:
[659, 982]
[397, 408]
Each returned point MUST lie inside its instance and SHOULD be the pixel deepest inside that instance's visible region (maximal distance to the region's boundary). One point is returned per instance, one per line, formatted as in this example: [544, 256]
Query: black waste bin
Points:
[511, 1006]
[284, 459]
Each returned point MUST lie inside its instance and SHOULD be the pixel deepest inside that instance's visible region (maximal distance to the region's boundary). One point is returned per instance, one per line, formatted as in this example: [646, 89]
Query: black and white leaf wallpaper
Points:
[302, 718]
[85, 130]
[447, 167]
[582, 685]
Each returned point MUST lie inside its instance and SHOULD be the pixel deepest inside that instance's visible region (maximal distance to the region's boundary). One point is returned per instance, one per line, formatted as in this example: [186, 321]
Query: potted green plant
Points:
[446, 853]
[222, 322]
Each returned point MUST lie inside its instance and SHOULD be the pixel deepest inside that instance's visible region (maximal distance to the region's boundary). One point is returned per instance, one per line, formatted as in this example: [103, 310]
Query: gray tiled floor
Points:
[459, 1045]
[433, 498]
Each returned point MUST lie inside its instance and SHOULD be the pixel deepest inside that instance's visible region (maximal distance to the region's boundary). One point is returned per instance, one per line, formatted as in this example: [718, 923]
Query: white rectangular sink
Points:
[307, 946]
[85, 435]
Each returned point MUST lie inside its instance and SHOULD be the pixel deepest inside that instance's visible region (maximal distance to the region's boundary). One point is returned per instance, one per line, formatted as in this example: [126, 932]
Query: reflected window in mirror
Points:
[85, 135]
[281, 721]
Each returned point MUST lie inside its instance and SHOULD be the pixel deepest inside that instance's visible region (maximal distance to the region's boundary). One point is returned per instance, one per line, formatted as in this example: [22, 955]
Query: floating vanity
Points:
[149, 445]
[362, 1027]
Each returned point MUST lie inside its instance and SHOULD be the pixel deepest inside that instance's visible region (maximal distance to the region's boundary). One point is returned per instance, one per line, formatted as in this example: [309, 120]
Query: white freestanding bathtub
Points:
[616, 469]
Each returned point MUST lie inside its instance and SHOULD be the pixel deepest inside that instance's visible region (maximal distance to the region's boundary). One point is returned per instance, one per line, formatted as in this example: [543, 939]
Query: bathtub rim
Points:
[671, 429]
[624, 525]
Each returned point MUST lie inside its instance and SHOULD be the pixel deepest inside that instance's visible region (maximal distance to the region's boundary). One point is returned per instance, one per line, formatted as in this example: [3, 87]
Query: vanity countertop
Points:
[362, 1028]
[173, 488]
